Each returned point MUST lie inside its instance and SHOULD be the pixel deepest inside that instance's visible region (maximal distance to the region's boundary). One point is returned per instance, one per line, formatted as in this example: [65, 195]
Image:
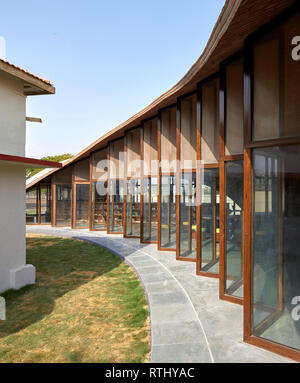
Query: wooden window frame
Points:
[143, 177]
[199, 272]
[222, 260]
[74, 191]
[48, 184]
[180, 171]
[93, 180]
[249, 145]
[126, 178]
[108, 189]
[222, 179]
[54, 185]
[161, 174]
[108, 203]
[159, 247]
[178, 217]
[125, 206]
[38, 188]
[38, 203]
[278, 21]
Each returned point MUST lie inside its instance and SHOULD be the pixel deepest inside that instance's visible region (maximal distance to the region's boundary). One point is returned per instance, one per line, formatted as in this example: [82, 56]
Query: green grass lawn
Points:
[87, 306]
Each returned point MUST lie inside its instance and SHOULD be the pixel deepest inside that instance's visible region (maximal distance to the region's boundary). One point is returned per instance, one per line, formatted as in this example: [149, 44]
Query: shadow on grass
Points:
[62, 266]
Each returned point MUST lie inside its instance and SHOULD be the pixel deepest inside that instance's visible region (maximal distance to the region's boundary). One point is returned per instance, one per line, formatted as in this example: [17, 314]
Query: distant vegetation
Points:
[60, 157]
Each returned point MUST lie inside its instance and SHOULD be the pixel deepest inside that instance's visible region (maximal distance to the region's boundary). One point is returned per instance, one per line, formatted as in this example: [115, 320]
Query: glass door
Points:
[210, 229]
[116, 206]
[45, 195]
[275, 259]
[150, 209]
[99, 205]
[32, 207]
[82, 207]
[63, 204]
[168, 213]
[234, 180]
[188, 222]
[133, 204]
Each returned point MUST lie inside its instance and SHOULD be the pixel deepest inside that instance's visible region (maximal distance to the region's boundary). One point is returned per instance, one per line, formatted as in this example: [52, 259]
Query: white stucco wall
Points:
[13, 270]
[12, 116]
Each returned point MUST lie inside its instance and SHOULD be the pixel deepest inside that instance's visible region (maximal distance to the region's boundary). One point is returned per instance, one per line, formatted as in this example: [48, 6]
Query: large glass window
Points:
[45, 193]
[210, 229]
[116, 186]
[82, 208]
[32, 207]
[188, 223]
[168, 212]
[116, 206]
[276, 83]
[276, 244]
[234, 175]
[99, 205]
[133, 205]
[63, 205]
[99, 190]
[133, 183]
[150, 209]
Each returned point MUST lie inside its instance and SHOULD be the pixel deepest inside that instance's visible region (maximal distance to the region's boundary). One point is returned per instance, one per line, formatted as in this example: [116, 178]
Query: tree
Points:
[59, 158]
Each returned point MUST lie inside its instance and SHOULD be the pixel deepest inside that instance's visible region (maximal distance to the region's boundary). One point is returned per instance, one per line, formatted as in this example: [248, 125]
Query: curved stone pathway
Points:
[188, 321]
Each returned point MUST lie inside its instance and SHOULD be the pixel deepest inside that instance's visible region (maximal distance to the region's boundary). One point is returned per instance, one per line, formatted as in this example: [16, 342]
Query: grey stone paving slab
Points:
[139, 258]
[142, 263]
[180, 353]
[178, 332]
[168, 298]
[163, 287]
[188, 321]
[156, 277]
[242, 353]
[145, 270]
[177, 313]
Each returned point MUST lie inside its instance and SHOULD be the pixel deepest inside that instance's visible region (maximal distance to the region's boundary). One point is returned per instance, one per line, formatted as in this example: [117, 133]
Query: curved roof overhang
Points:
[238, 19]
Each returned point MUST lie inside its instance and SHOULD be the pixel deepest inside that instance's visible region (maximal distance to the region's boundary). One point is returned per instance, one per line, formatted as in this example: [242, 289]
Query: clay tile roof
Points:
[26, 71]
[38, 84]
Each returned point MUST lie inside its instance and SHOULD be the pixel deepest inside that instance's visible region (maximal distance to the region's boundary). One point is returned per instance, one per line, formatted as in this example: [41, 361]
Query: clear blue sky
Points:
[107, 60]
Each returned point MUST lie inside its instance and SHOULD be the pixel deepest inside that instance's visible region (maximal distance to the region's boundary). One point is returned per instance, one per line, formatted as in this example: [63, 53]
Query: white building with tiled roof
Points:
[15, 85]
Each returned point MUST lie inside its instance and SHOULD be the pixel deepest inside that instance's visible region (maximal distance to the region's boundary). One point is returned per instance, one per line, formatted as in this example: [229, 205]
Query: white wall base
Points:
[22, 276]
